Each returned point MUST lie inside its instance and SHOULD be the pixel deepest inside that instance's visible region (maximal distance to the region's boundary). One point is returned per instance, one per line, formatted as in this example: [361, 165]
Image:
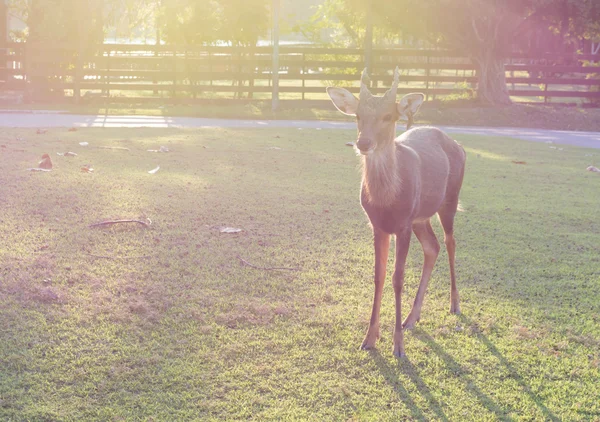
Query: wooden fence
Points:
[124, 72]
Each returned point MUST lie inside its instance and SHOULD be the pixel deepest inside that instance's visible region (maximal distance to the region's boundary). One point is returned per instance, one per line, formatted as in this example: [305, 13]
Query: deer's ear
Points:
[343, 100]
[409, 105]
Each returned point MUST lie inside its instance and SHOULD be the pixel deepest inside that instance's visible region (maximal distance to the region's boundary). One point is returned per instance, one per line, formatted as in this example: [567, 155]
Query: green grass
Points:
[165, 323]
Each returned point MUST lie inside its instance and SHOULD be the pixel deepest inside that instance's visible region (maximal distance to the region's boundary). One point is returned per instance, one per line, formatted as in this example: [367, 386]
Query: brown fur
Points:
[412, 178]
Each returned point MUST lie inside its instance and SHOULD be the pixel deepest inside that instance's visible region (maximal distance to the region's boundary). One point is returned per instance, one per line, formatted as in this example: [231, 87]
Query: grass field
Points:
[167, 323]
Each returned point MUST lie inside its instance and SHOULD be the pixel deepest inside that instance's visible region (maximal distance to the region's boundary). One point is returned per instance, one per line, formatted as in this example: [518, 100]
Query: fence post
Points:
[106, 51]
[275, 66]
[427, 79]
[79, 58]
[174, 72]
[4, 38]
[303, 74]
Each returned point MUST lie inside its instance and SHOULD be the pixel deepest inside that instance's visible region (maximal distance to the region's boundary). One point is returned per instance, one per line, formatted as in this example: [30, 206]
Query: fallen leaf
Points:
[594, 169]
[66, 154]
[41, 131]
[46, 162]
[87, 169]
[350, 144]
[154, 170]
[84, 144]
[275, 148]
[230, 230]
[38, 169]
[519, 162]
[72, 129]
[162, 149]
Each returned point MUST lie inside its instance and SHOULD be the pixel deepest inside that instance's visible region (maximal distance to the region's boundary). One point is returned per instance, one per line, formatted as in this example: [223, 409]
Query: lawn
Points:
[167, 323]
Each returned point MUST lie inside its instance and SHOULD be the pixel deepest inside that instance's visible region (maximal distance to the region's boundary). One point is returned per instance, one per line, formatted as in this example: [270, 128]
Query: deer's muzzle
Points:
[364, 144]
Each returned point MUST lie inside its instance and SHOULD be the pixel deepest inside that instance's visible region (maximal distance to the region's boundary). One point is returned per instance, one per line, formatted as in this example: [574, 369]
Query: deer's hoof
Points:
[409, 323]
[368, 344]
[455, 310]
[399, 354]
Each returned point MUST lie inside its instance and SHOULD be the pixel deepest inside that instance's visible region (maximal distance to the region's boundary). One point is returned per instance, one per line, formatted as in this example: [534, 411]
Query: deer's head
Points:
[376, 116]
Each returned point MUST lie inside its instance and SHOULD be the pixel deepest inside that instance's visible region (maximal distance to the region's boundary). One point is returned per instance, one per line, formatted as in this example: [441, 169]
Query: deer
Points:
[405, 181]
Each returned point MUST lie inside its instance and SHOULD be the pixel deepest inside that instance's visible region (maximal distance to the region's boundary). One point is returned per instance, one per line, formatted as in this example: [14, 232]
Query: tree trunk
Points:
[491, 85]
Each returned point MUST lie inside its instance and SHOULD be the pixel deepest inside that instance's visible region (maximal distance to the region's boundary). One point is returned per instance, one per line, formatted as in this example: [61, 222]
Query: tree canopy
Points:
[486, 31]
[239, 22]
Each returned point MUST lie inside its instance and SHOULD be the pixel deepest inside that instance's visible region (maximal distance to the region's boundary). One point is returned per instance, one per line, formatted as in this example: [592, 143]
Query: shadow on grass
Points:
[548, 415]
[461, 374]
[390, 374]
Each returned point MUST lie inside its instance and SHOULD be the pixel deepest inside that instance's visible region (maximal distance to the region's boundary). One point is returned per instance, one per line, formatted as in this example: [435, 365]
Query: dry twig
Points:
[119, 257]
[117, 148]
[111, 222]
[266, 268]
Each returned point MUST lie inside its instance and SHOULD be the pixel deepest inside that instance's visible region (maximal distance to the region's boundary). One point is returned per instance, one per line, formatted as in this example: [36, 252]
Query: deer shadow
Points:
[461, 372]
[390, 373]
[514, 374]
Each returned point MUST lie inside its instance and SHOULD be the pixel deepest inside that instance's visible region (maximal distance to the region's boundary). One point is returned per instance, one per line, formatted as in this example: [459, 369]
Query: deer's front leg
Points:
[402, 244]
[382, 247]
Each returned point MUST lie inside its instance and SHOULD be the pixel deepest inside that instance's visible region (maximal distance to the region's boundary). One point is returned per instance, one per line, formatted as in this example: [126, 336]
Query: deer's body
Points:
[429, 167]
[406, 180]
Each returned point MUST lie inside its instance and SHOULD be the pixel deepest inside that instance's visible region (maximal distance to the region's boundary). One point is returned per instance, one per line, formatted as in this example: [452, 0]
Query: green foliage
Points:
[342, 24]
[165, 323]
[190, 22]
[485, 31]
[61, 21]
[208, 21]
[464, 93]
[240, 22]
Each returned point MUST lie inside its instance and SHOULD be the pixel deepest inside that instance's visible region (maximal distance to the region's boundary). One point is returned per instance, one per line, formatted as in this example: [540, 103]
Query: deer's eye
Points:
[387, 117]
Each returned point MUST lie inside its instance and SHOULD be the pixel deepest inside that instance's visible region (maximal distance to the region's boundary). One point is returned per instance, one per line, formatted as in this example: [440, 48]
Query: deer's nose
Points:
[364, 144]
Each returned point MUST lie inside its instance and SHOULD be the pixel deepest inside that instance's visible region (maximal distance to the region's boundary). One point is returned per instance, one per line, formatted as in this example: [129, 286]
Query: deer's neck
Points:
[381, 176]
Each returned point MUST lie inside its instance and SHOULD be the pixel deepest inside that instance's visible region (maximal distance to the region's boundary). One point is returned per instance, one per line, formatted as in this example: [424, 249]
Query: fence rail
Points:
[182, 73]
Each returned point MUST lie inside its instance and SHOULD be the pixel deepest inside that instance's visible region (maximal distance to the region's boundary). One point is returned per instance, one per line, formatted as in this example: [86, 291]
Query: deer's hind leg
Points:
[431, 249]
[446, 215]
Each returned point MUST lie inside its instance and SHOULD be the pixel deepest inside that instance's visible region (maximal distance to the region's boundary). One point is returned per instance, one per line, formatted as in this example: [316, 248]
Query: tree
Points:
[484, 30]
[488, 30]
[239, 22]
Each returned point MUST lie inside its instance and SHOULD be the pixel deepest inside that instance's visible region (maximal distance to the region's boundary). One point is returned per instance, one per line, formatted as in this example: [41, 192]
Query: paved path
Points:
[25, 120]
